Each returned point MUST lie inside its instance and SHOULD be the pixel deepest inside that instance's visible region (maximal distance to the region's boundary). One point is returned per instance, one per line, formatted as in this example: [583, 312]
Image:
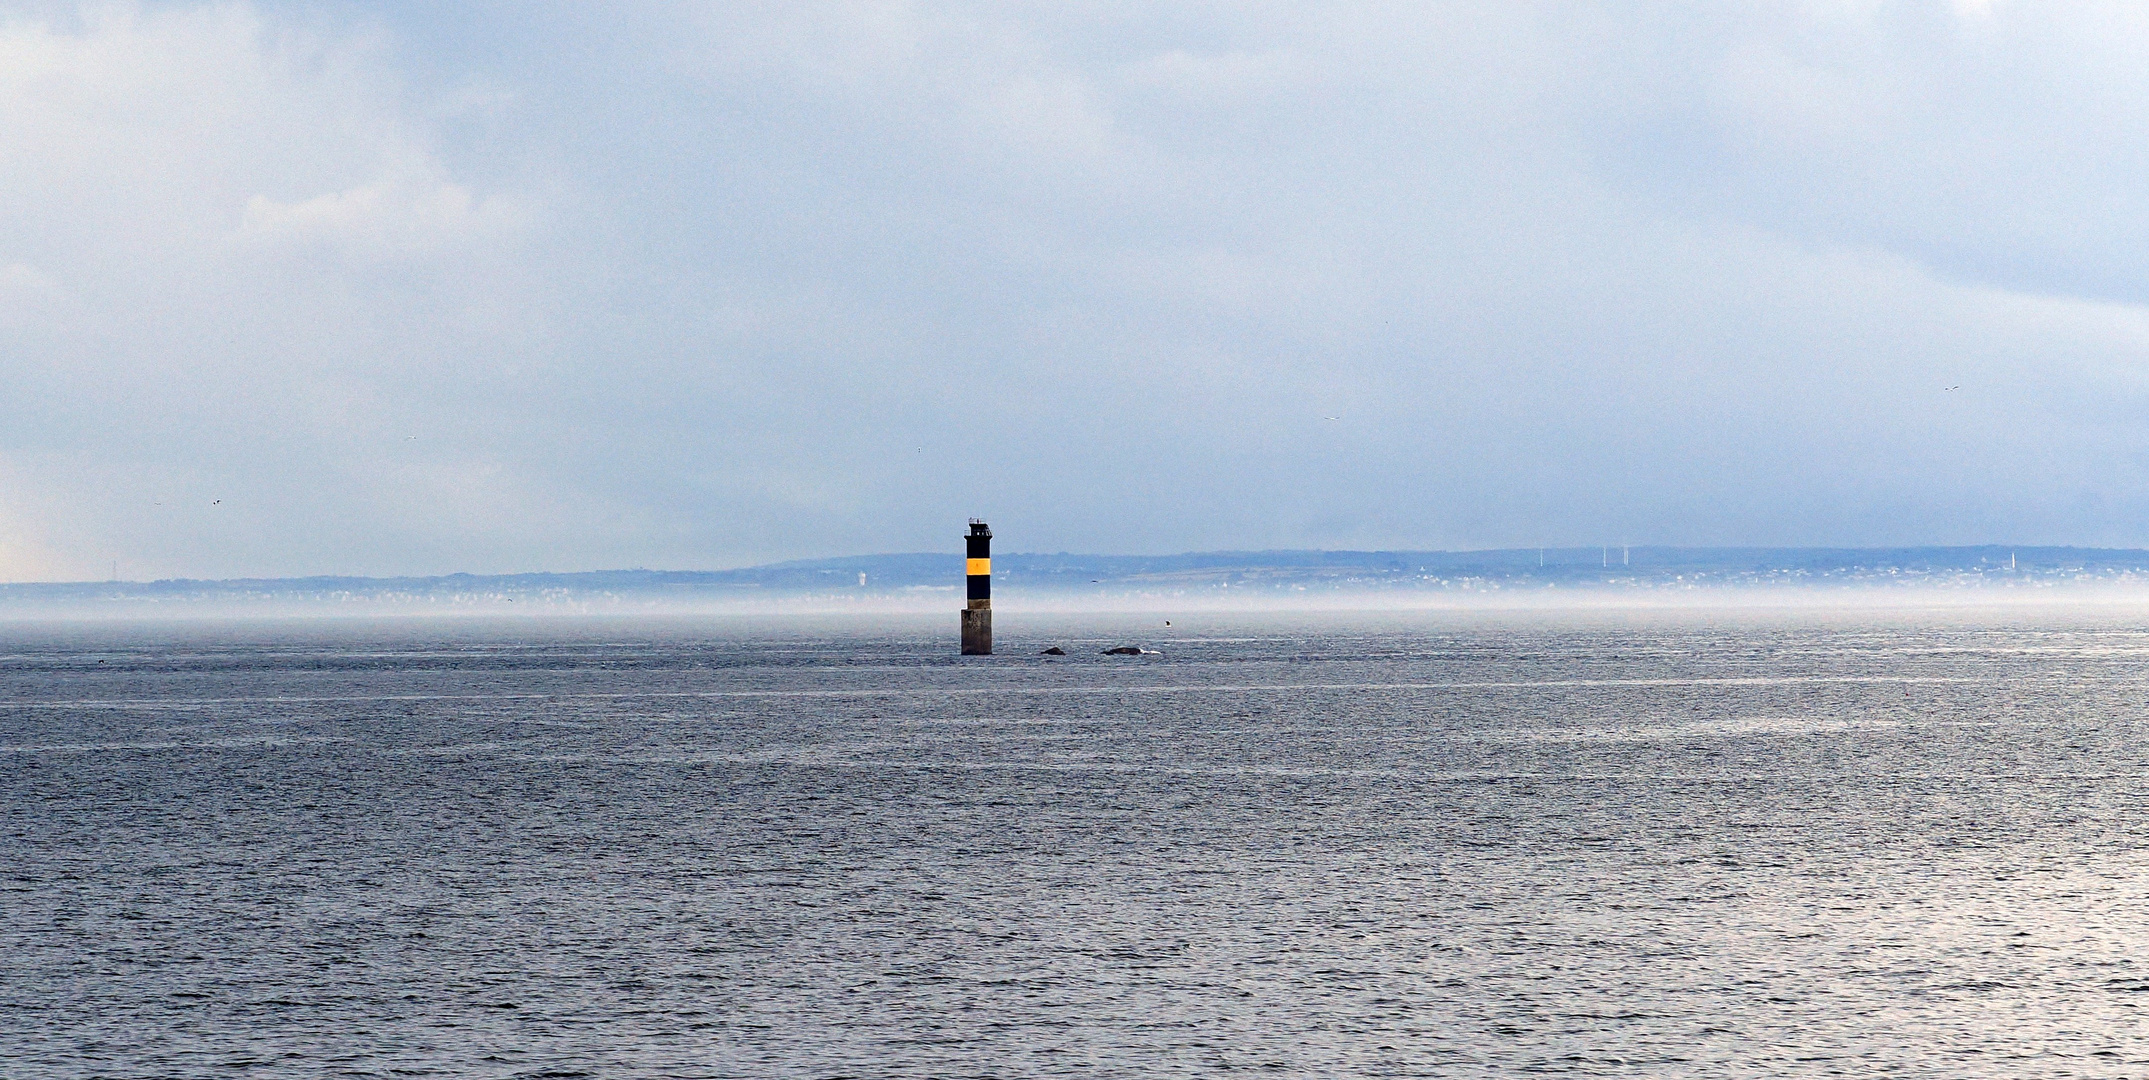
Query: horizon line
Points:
[796, 564]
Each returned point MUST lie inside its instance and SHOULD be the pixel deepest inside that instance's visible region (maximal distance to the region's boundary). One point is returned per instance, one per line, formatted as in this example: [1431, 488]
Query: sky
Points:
[408, 288]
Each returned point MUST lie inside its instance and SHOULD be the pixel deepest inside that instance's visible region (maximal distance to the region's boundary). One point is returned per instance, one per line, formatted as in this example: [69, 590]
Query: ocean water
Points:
[1432, 846]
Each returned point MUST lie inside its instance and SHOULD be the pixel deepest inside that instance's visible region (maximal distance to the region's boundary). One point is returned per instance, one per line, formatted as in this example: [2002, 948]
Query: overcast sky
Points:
[342, 287]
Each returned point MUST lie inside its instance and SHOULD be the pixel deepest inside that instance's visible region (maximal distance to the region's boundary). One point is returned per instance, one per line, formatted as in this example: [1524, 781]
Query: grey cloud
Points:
[699, 284]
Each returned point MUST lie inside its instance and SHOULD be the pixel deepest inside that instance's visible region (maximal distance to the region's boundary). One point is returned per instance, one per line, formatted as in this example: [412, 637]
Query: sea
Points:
[1451, 844]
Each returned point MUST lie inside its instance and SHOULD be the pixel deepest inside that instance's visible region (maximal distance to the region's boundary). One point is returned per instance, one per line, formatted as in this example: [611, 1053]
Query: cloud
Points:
[239, 273]
[386, 218]
[533, 286]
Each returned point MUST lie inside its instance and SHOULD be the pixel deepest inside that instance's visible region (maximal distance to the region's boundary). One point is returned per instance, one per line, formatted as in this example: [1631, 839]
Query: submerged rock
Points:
[1054, 651]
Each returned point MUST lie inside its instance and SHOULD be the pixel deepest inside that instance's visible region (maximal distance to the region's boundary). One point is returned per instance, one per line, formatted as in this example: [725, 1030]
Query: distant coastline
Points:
[928, 581]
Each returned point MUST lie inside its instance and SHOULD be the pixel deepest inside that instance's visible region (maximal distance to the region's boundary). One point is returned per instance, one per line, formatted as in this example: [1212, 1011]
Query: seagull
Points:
[1957, 386]
[1331, 418]
[216, 502]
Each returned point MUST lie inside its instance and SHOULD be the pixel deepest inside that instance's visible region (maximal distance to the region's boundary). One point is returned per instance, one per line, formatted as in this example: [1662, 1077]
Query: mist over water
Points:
[1445, 844]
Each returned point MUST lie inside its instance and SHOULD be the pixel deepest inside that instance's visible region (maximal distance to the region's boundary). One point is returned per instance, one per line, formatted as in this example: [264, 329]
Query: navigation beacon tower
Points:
[977, 615]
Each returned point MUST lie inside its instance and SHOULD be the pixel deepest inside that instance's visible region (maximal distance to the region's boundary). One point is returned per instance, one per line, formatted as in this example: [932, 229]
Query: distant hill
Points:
[1251, 574]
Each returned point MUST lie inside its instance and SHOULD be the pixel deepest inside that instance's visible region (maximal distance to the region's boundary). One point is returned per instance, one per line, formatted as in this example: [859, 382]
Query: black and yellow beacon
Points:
[977, 615]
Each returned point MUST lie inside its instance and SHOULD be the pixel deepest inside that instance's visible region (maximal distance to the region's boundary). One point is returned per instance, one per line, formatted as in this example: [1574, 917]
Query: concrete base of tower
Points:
[977, 628]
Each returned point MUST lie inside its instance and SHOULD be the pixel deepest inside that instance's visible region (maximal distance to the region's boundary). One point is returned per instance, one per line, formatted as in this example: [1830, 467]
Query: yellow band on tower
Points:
[979, 567]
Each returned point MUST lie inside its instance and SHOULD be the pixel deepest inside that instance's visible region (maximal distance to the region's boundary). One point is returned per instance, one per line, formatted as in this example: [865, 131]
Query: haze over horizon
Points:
[336, 287]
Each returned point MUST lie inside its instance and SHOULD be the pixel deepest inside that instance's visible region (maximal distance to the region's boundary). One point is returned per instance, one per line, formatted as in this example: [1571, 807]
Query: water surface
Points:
[1430, 847]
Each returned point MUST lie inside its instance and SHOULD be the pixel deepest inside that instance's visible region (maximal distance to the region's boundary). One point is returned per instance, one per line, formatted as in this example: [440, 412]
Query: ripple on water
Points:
[1799, 849]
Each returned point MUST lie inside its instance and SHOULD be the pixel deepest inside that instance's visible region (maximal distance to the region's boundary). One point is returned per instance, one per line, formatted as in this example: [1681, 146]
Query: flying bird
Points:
[1945, 389]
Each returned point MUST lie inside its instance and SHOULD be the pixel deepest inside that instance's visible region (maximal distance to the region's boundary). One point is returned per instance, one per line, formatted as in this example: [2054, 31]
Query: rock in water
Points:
[1123, 650]
[1054, 651]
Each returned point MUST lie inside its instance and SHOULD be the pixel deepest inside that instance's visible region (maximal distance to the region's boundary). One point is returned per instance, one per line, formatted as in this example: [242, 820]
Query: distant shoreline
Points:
[1513, 578]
